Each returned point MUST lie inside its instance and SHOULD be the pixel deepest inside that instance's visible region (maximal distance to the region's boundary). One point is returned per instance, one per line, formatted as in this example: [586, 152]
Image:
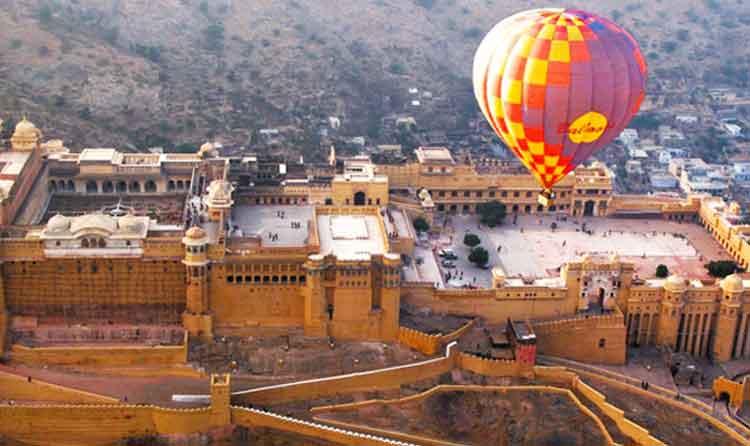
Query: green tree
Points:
[479, 256]
[491, 213]
[421, 224]
[662, 271]
[722, 268]
[471, 240]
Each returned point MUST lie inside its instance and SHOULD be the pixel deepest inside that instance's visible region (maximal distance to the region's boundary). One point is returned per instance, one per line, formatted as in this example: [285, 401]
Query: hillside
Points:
[164, 72]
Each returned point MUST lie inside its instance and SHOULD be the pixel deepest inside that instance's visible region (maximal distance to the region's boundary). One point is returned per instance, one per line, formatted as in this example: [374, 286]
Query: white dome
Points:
[94, 222]
[58, 223]
[26, 128]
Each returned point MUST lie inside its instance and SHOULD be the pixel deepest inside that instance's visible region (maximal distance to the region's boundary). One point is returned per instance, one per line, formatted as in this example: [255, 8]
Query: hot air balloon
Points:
[557, 85]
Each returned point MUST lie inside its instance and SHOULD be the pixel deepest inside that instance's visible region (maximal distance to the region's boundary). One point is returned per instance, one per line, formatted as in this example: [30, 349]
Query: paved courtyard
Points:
[530, 248]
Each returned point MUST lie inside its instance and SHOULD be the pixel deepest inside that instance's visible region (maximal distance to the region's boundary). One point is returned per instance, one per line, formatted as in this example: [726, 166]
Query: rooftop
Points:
[439, 155]
[11, 165]
[351, 237]
[280, 226]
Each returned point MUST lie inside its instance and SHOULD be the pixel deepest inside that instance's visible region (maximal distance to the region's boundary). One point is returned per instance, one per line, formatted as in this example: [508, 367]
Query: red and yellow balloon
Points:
[557, 85]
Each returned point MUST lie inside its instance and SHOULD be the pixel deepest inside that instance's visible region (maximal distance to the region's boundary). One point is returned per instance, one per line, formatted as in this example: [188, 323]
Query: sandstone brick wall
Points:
[101, 356]
[597, 339]
[18, 388]
[388, 378]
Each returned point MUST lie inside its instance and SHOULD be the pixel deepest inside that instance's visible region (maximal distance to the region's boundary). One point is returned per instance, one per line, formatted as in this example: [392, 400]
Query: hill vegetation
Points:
[167, 72]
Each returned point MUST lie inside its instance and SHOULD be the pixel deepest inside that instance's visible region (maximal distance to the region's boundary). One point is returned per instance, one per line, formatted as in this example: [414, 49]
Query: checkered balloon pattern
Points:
[557, 85]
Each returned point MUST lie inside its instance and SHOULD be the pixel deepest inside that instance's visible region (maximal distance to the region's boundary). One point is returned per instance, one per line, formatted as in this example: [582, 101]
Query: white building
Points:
[686, 119]
[741, 172]
[663, 180]
[733, 130]
[628, 137]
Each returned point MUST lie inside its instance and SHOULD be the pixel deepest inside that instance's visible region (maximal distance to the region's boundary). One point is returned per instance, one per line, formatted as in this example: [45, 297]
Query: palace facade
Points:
[230, 245]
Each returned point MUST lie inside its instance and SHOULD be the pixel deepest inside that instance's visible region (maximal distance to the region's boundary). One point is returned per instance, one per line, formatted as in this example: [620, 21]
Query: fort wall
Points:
[444, 389]
[97, 424]
[43, 287]
[599, 338]
[254, 418]
[388, 378]
[101, 355]
[494, 305]
[738, 432]
[429, 344]
[19, 388]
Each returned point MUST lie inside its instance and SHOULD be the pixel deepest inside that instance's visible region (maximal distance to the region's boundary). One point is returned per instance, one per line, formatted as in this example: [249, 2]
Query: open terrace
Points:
[531, 248]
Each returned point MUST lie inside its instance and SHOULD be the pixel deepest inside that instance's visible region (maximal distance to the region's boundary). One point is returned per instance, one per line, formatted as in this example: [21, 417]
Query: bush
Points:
[479, 256]
[721, 268]
[421, 225]
[662, 271]
[491, 213]
[471, 240]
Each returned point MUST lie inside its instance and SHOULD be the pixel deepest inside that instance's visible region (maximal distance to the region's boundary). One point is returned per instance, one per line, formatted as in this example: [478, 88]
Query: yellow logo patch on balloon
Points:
[587, 128]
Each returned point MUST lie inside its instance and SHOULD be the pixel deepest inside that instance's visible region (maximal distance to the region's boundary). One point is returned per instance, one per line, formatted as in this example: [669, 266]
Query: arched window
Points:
[92, 187]
[122, 187]
[108, 187]
[61, 185]
[102, 243]
[150, 186]
[71, 186]
[135, 187]
[85, 243]
[180, 185]
[170, 185]
[52, 186]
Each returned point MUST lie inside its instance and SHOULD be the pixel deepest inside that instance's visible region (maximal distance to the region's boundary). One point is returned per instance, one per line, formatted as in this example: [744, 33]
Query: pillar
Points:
[726, 324]
[390, 298]
[738, 348]
[706, 333]
[197, 318]
[316, 316]
[670, 312]
[220, 400]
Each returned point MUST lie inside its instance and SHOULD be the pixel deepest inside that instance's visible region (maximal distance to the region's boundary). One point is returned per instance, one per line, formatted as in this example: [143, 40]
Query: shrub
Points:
[479, 256]
[421, 225]
[662, 271]
[471, 240]
[721, 268]
[491, 213]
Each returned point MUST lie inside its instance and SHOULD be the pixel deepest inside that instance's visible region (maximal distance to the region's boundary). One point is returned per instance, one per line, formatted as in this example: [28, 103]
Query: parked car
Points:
[448, 254]
[485, 266]
[448, 263]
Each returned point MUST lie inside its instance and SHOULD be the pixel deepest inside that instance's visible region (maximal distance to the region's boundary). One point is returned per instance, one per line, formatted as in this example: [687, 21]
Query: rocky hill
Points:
[165, 72]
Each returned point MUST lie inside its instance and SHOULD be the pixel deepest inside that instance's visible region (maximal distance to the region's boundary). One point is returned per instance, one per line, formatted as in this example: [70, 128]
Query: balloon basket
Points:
[546, 198]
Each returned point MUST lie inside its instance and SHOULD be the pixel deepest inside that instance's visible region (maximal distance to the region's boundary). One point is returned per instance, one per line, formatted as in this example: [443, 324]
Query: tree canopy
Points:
[722, 268]
[492, 213]
[479, 256]
[471, 240]
[662, 271]
[421, 225]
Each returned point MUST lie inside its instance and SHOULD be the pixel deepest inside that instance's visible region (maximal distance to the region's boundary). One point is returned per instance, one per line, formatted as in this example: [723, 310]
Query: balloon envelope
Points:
[557, 85]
